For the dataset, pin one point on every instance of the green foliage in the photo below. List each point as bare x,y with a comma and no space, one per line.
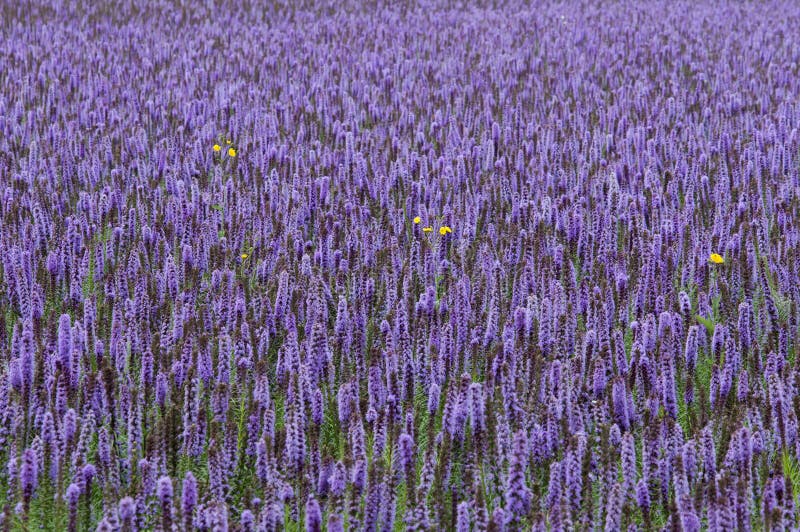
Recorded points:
791,470
707,323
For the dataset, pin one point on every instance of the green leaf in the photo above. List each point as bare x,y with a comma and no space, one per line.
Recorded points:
791,470
709,325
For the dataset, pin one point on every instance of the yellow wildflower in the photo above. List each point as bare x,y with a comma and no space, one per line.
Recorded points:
231,152
443,230
716,258
217,147
417,219
228,142
244,256
427,229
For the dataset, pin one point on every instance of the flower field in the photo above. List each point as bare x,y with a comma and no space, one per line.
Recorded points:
326,266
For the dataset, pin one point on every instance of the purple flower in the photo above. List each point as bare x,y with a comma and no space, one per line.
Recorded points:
406,451
313,516
72,496
463,521
642,495
164,493
335,523
127,509
614,505
517,494
498,521
338,480
188,497
690,352
247,521
310,259
619,397
28,476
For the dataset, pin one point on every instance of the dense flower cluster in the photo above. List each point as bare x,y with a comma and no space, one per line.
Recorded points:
343,267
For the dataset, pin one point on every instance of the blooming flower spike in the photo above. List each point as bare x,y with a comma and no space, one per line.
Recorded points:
562,364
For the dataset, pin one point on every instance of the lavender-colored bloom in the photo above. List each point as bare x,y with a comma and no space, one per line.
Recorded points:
338,480
477,408
247,521
406,451
188,497
433,398
463,521
555,487
745,325
215,517
642,495
126,510
498,521
313,516
88,473
72,496
685,304
512,245
690,352
599,383
614,508
64,342
335,523
358,475
344,400
619,397
517,494
28,476
164,493
628,457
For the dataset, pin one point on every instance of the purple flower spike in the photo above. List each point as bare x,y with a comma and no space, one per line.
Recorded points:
344,265
164,493
313,516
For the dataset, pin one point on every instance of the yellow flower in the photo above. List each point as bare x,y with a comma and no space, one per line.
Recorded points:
427,229
244,256
417,219
443,230
231,152
217,147
228,141
716,258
